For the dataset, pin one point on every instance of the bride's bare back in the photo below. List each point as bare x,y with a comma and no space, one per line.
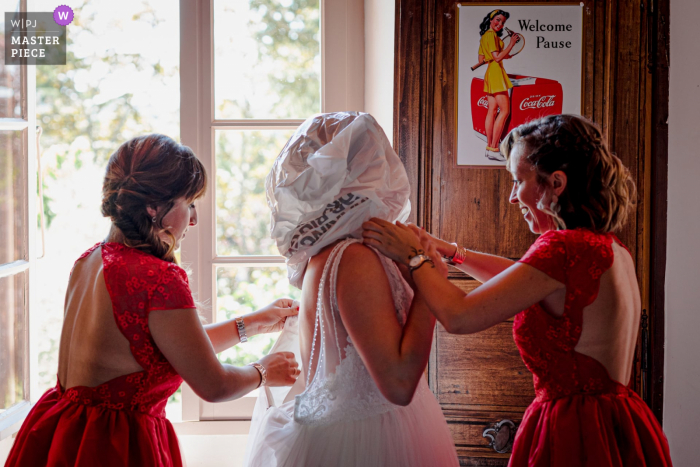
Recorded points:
394,355
92,350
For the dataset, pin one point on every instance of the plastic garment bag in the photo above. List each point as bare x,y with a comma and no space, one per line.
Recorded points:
335,172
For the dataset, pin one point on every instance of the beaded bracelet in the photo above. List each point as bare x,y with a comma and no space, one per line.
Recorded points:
459,255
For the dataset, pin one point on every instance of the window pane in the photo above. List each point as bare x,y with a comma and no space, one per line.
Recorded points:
13,197
243,160
267,61
241,290
11,91
13,340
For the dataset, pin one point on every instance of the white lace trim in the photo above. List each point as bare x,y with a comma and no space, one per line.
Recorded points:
347,394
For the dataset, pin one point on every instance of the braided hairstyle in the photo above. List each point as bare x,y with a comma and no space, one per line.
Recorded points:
150,171
486,22
599,193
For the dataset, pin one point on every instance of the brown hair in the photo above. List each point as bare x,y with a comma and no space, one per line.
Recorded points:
599,193
149,171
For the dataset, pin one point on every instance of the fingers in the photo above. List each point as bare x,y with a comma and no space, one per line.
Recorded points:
283,302
373,226
285,312
372,242
415,229
380,222
403,226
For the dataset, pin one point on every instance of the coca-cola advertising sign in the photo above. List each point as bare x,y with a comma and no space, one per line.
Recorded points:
516,63
537,102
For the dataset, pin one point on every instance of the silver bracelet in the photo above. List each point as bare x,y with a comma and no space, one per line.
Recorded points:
241,329
263,372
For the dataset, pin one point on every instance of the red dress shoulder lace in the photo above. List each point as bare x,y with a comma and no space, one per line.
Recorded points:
122,421
580,416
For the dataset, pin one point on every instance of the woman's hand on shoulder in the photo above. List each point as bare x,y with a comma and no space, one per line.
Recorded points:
395,241
272,317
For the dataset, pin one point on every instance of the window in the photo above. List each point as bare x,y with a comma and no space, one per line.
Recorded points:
251,72
18,216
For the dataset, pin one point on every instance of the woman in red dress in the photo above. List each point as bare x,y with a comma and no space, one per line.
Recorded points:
131,331
574,296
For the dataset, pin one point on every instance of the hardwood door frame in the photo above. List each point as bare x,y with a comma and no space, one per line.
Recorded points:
414,88
659,66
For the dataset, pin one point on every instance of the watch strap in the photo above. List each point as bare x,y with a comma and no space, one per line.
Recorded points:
241,329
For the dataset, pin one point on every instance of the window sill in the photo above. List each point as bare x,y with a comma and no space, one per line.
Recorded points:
11,420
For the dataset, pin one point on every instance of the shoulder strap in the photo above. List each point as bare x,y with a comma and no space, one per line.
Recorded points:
332,265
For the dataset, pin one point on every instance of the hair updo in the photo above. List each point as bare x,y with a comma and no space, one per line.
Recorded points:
599,193
149,171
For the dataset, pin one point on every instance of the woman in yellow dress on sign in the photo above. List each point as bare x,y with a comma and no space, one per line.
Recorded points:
496,83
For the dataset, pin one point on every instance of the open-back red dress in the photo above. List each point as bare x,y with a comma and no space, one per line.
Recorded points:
121,422
580,416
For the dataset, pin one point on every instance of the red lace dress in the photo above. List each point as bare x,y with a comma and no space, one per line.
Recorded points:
580,416
121,422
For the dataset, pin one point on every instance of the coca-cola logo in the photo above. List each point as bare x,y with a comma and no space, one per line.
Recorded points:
483,102
537,102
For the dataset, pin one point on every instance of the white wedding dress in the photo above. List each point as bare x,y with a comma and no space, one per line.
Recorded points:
341,418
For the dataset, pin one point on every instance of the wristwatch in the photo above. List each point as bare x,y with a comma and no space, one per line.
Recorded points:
241,329
263,372
417,261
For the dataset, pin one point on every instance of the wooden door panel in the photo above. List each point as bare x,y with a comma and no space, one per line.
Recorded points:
483,369
470,369
477,213
480,379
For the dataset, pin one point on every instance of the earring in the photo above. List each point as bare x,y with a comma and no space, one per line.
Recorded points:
153,219
554,205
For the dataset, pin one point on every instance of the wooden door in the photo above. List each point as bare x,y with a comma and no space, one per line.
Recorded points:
480,380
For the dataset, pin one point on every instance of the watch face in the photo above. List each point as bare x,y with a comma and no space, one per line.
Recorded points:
415,261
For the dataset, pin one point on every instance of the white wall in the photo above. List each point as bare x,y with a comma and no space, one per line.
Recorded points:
682,367
379,62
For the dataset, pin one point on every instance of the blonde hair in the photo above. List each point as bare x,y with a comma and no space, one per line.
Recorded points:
599,193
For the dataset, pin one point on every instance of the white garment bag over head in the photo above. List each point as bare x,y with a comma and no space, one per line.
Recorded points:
337,171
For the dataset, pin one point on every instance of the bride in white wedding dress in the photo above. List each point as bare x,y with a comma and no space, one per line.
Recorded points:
364,337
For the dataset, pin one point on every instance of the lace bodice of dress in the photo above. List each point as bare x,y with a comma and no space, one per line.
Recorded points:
342,388
576,258
138,283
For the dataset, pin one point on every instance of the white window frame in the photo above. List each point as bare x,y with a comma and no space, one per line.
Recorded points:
11,420
342,88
